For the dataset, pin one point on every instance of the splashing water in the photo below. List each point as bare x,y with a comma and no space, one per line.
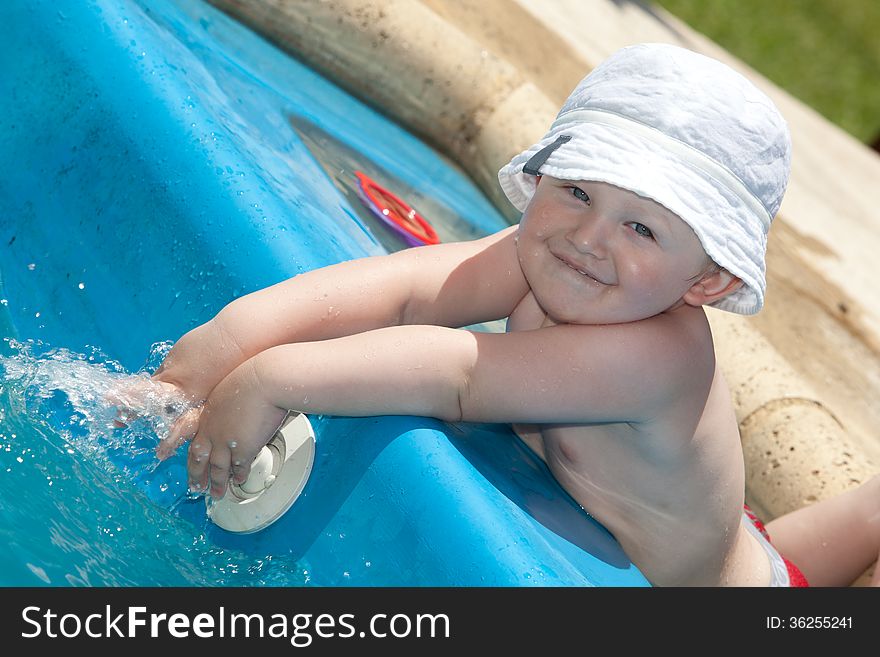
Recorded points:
80,395
85,502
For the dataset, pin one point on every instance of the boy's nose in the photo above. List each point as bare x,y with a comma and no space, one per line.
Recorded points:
590,238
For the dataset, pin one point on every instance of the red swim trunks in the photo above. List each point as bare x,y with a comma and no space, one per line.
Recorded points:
795,576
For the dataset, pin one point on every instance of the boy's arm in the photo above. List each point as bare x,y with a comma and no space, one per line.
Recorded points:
560,374
567,373
449,284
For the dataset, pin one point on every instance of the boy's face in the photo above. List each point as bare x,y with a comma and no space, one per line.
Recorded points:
594,253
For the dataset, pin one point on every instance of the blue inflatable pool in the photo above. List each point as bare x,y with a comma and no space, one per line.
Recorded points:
158,160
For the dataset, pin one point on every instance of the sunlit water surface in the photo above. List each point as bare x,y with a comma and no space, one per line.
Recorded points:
87,503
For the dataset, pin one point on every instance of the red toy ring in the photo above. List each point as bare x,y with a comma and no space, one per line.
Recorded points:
397,214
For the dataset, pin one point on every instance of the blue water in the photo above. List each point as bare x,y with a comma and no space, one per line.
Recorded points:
73,512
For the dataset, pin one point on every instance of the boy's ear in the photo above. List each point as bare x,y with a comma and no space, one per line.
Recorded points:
711,287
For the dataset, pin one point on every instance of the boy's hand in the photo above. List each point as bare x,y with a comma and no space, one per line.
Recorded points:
183,429
138,396
235,423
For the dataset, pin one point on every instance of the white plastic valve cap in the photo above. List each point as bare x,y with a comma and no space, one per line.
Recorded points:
277,477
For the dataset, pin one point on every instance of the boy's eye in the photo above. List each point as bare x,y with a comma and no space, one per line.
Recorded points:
642,229
581,195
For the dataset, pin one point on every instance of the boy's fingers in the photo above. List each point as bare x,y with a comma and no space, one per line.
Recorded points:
240,469
123,417
198,464
183,429
121,395
219,472
122,399
208,468
132,398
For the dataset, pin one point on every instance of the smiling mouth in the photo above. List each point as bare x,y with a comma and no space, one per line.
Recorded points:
580,271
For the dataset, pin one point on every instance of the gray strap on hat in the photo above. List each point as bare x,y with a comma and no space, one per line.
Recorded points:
537,160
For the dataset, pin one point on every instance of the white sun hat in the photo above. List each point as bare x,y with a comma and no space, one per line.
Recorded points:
681,129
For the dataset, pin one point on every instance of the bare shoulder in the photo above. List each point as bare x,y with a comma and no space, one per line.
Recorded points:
681,352
661,361
684,336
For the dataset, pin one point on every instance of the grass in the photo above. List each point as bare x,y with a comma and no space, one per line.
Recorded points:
824,52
